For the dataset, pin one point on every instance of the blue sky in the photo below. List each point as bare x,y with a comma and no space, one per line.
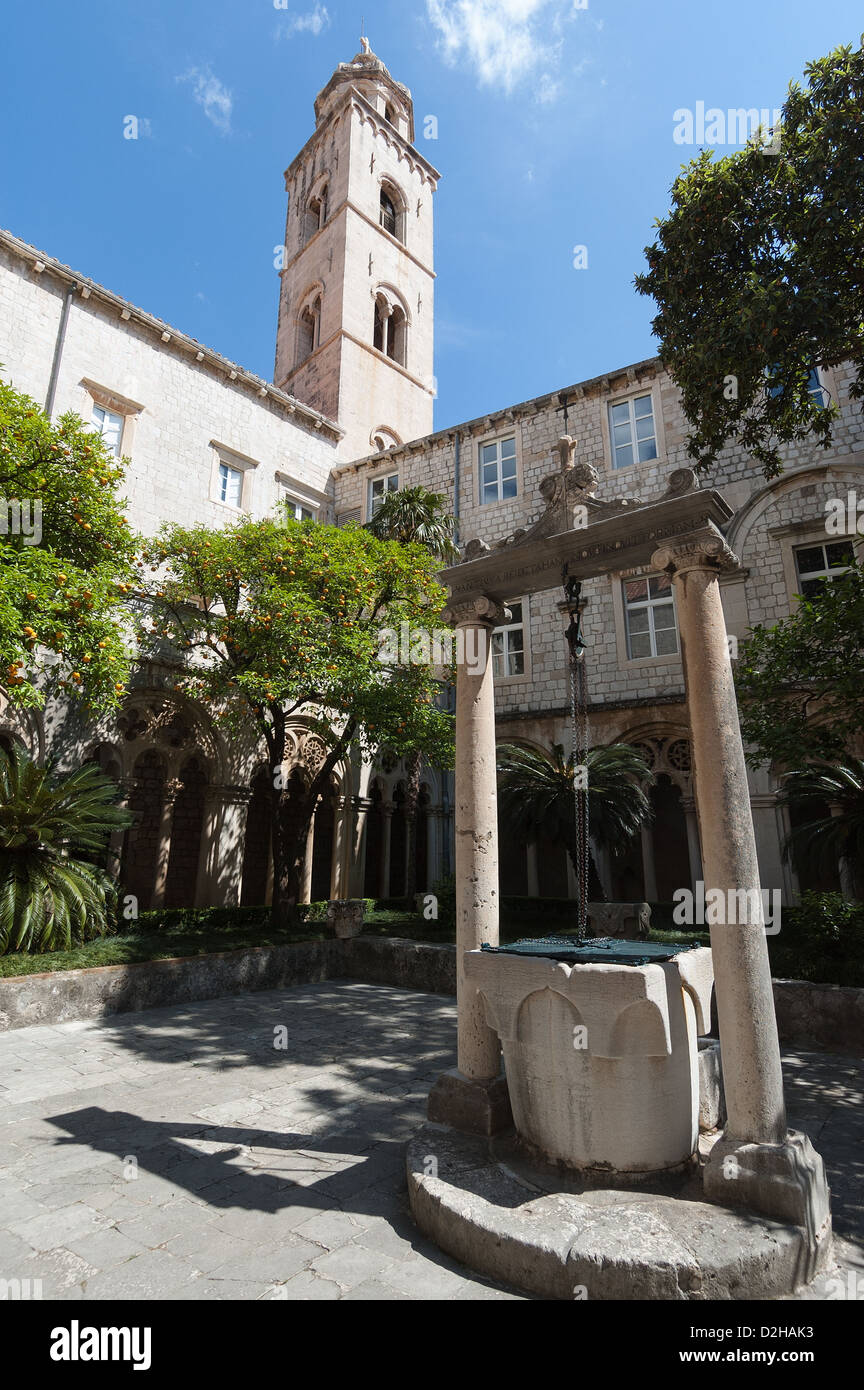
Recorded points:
555,130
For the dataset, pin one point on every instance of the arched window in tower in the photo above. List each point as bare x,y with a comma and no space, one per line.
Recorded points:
397,345
389,215
316,214
390,330
308,330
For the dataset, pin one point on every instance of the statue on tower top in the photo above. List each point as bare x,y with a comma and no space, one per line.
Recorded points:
364,44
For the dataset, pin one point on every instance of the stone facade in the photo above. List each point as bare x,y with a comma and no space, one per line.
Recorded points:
351,404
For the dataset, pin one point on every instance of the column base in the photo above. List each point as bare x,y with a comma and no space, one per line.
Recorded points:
473,1107
783,1181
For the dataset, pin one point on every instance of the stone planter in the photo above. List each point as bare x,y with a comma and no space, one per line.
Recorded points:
602,1061
345,916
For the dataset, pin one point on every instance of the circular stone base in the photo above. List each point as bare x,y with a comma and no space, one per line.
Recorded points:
521,1228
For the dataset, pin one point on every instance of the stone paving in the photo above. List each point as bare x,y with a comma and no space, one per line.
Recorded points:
186,1153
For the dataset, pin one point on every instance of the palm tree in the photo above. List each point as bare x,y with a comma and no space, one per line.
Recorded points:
536,795
419,517
415,516
53,830
823,841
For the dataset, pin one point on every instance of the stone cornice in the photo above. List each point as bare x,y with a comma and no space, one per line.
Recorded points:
170,340
476,612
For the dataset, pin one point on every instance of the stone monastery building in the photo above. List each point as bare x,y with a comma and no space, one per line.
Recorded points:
347,417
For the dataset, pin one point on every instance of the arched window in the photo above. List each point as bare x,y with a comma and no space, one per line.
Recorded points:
308,330
316,214
384,438
390,114
390,330
389,219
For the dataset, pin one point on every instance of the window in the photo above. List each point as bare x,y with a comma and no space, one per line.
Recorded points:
508,644
498,470
388,217
631,429
389,114
378,489
817,565
384,438
110,426
815,386
230,484
316,215
296,508
307,330
389,333
649,607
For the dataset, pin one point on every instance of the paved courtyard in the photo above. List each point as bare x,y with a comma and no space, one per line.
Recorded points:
252,1147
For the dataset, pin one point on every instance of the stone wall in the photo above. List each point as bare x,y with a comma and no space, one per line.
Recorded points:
824,1017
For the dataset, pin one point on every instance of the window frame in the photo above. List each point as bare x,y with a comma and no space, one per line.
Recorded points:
115,414
827,574
384,478
496,441
503,630
225,456
626,662
630,402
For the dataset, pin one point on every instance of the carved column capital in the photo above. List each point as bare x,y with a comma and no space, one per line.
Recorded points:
475,612
703,549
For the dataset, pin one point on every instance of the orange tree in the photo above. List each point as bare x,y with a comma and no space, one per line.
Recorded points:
278,618
66,559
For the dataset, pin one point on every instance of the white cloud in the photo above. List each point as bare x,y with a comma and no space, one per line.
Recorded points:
313,22
507,42
214,98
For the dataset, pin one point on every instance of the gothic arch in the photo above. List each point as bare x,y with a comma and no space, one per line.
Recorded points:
750,517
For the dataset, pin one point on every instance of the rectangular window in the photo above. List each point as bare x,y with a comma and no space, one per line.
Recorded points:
297,509
498,470
817,565
815,387
508,644
649,608
378,489
230,484
110,426
632,432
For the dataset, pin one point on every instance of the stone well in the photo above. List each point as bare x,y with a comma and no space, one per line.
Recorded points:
602,1061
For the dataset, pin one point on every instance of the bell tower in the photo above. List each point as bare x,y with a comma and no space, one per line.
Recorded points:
355,333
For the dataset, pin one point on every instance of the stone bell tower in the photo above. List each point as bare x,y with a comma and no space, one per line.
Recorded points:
356,306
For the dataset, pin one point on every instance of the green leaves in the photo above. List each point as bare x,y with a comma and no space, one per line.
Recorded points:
757,267
801,683
49,897
272,617
65,557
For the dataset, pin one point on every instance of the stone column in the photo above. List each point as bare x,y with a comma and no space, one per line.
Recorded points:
166,821
649,872
533,870
474,1096
341,846
223,836
693,847
756,1163
306,876
360,806
387,809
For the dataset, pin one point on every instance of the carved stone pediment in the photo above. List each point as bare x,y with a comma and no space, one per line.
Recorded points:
570,503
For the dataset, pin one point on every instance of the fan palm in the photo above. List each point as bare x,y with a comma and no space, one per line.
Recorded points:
51,830
536,795
823,840
415,516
